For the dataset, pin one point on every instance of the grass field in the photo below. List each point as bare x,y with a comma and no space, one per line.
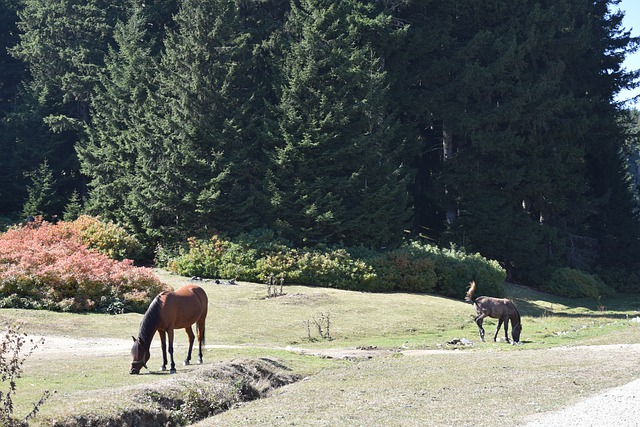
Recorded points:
572,348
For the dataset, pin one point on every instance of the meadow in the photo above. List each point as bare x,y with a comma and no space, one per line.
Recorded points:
385,359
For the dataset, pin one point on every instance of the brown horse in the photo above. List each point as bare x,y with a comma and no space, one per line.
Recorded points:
499,308
168,311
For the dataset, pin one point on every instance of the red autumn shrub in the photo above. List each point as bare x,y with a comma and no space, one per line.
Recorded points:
48,266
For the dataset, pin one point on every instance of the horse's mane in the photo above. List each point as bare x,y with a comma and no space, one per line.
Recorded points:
515,314
149,323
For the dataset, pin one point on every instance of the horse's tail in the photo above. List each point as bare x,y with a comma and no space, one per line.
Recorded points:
470,291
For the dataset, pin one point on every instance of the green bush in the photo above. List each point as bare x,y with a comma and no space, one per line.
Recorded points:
572,283
216,258
333,268
405,269
105,237
455,269
626,280
414,267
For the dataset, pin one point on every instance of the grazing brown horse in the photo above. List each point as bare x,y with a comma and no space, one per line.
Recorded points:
499,308
168,311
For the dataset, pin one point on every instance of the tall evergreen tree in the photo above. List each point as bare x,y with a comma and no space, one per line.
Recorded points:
42,195
12,71
614,222
62,43
202,165
338,174
109,154
504,78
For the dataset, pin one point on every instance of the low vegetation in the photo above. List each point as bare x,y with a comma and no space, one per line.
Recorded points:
413,267
14,350
64,267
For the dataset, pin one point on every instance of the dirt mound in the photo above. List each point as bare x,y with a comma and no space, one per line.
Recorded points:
189,398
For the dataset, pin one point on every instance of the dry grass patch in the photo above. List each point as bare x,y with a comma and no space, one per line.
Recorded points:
486,388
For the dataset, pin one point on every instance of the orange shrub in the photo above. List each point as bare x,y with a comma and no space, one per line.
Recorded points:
48,266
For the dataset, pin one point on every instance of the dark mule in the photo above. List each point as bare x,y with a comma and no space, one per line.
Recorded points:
499,308
168,311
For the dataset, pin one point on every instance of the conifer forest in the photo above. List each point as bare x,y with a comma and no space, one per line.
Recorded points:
488,125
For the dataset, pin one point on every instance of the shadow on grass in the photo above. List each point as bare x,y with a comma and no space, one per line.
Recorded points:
535,303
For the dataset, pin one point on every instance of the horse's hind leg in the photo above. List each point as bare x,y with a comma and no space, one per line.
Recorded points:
191,338
479,319
200,326
173,365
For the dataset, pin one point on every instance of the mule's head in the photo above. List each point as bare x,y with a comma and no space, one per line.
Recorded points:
140,355
515,333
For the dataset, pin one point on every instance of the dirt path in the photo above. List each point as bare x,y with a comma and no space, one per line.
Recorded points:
115,346
619,406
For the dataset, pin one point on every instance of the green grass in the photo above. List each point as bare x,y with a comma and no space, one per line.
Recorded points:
501,381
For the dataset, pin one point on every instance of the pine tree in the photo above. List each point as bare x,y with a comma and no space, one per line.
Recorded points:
510,83
73,209
110,153
202,165
42,196
338,174
62,43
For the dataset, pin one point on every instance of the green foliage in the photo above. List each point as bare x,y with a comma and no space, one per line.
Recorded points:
405,269
106,237
338,175
622,279
192,118
215,258
414,267
572,283
42,195
73,208
332,268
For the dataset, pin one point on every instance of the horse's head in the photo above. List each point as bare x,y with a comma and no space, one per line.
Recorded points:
515,333
140,355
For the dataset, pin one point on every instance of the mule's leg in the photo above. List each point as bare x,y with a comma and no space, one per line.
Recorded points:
500,320
200,327
479,319
191,338
173,365
163,344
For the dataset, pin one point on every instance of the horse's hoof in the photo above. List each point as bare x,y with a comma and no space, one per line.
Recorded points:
200,362
173,371
187,363
163,368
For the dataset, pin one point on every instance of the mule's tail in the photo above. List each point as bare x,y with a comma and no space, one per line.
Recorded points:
470,291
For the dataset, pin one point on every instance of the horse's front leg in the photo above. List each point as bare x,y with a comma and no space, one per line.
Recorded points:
506,330
173,365
163,344
191,336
